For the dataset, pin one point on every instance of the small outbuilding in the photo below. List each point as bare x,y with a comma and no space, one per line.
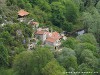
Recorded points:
22,14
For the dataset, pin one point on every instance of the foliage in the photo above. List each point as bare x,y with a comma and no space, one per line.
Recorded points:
87,38
3,55
41,56
76,54
4,71
84,68
22,63
89,58
70,43
53,68
68,59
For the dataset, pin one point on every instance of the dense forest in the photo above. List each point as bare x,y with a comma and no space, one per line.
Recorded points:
80,54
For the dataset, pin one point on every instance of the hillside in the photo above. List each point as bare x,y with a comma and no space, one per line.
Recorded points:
49,37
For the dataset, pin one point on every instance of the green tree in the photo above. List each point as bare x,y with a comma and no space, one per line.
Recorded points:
22,63
40,15
85,68
7,38
81,46
58,13
87,19
98,6
3,55
89,38
70,43
67,58
91,22
88,58
11,2
41,56
95,26
21,3
53,68
72,11
67,26
4,71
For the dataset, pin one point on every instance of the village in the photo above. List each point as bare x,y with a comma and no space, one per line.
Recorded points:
43,34
49,37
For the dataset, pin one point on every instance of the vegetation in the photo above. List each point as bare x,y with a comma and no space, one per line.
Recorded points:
79,53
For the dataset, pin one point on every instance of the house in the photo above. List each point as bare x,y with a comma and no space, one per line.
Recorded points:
39,34
22,14
54,40
34,24
48,38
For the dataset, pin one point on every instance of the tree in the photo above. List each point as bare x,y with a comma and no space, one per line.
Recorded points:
81,47
11,2
98,6
67,26
21,4
28,6
58,13
88,58
88,3
72,11
7,38
3,55
91,22
67,58
87,19
89,38
85,68
4,71
40,15
22,63
53,68
95,26
41,56
70,43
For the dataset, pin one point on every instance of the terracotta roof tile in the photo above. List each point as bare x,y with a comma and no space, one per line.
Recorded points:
50,40
22,13
55,35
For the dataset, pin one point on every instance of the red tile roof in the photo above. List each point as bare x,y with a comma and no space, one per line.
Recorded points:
22,13
50,40
34,23
55,35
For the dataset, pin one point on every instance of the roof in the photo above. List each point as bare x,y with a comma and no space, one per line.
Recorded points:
22,12
34,23
55,35
51,40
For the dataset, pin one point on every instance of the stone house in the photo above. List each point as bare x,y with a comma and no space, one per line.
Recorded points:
34,24
49,38
22,14
54,39
41,35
